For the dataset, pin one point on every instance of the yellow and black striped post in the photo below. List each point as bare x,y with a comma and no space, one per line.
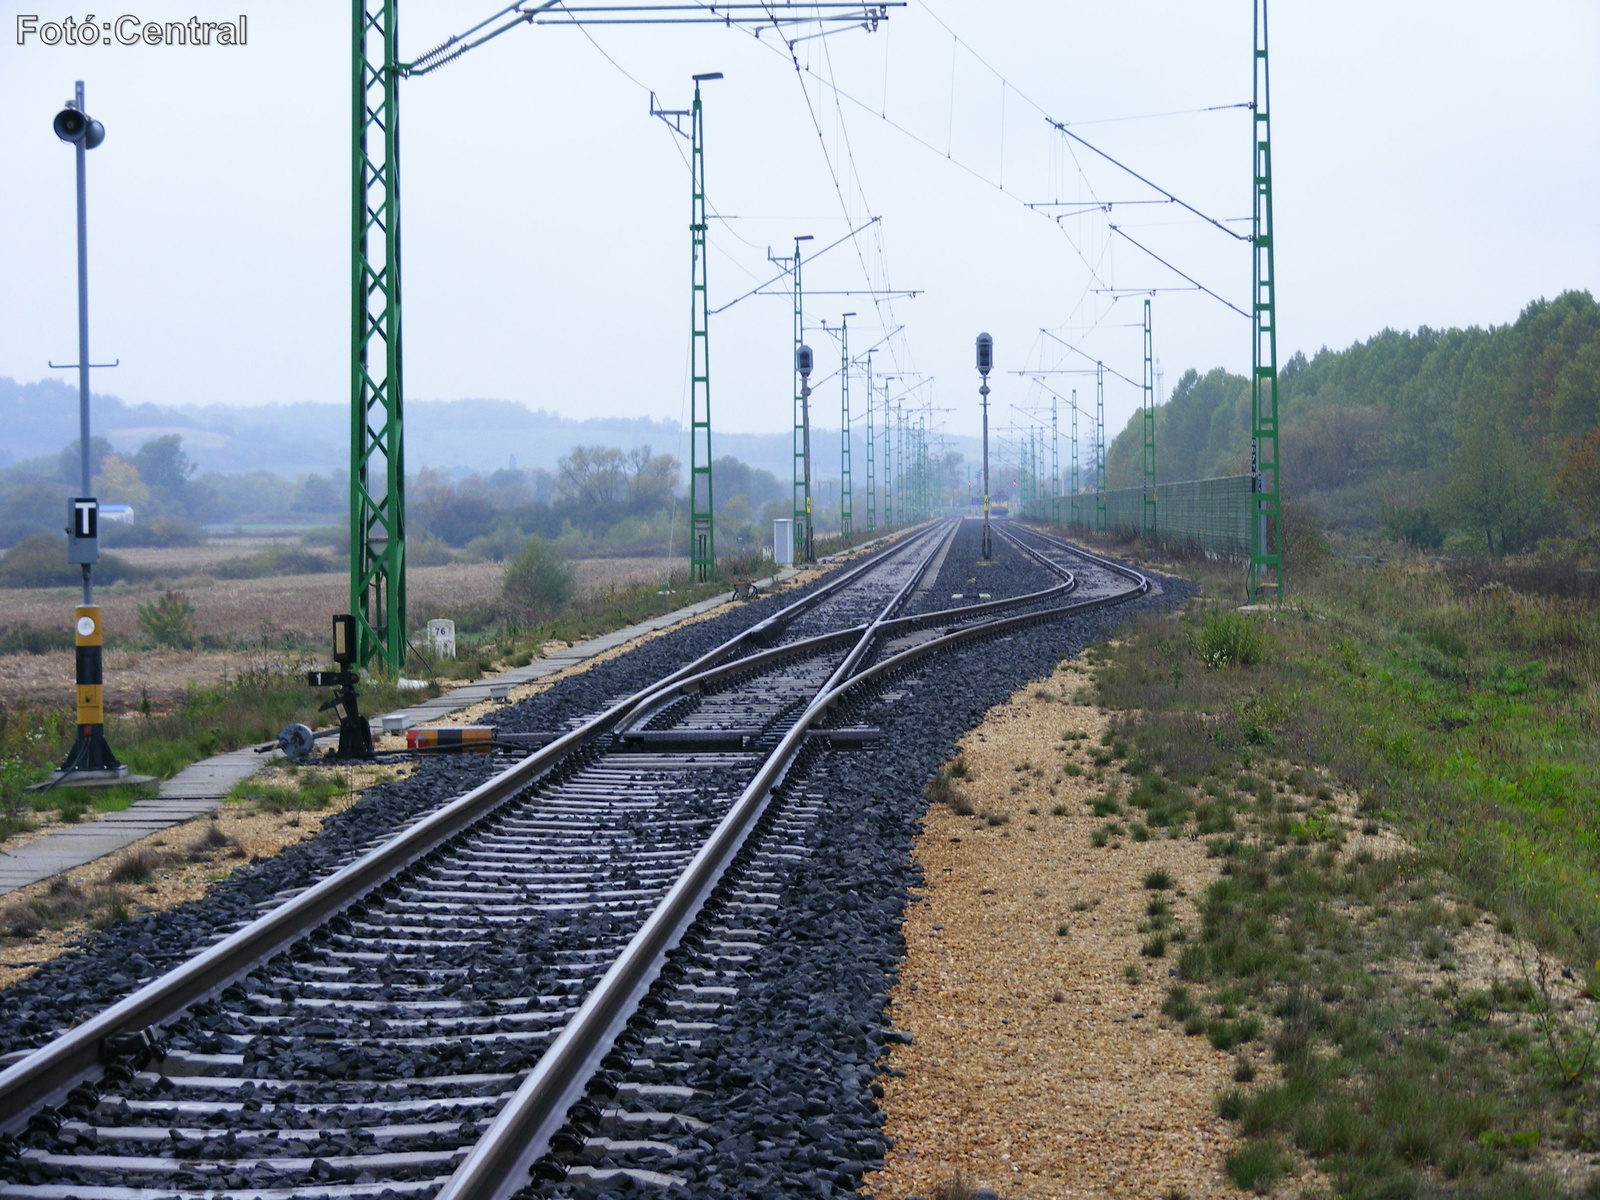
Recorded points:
90,756
91,698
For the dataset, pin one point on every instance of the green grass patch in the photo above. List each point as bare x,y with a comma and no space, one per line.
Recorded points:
1469,718
1257,1165
1225,639
298,790
247,710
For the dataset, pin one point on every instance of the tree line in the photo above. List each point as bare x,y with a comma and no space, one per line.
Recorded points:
598,499
1475,438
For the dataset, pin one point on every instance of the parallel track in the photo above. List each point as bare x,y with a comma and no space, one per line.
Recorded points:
356,1039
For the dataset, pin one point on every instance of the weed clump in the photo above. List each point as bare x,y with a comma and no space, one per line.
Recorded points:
169,621
303,791
137,866
1227,640
958,1187
943,789
539,577
1257,1165
60,905
213,841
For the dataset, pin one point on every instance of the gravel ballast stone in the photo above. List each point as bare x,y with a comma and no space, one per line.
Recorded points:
788,1074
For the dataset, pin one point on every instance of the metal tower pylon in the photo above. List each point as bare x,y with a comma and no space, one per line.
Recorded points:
1055,465
872,491
900,463
1100,447
887,490
888,452
927,467
1266,546
1073,509
702,530
377,467
1031,480
846,515
1149,409
802,473
377,459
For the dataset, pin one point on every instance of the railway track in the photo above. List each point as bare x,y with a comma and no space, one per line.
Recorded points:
425,1021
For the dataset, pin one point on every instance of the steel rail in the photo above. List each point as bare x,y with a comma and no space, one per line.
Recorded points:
942,616
1070,548
680,684
497,1165
44,1075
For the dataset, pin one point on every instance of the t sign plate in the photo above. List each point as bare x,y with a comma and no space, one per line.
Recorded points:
84,544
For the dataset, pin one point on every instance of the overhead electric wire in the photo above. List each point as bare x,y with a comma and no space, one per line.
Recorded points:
1062,127
1097,362
781,274
833,174
603,54
883,257
1177,112
956,162
1118,230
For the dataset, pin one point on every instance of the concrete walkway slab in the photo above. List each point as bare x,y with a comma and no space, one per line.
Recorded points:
192,792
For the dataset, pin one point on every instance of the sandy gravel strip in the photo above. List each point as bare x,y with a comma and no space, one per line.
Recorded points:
1037,1068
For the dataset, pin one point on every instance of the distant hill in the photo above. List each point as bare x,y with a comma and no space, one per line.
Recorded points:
294,439
448,435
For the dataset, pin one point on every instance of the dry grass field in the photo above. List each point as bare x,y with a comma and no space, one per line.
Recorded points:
263,614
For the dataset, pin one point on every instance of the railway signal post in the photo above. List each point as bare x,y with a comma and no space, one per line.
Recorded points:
90,761
985,365
802,364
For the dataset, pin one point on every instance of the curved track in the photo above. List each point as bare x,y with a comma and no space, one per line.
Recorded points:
420,1022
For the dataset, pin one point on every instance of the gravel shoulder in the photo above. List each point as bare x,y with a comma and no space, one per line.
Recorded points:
1036,1067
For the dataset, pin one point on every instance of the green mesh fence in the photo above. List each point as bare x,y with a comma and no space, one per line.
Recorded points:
1206,514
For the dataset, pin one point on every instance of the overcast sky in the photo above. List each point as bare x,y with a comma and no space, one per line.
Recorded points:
1436,163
